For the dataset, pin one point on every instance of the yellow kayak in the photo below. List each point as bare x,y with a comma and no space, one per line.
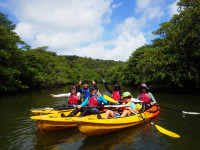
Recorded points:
94,126
52,122
44,111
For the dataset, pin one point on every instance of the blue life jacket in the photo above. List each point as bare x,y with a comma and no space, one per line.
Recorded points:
85,92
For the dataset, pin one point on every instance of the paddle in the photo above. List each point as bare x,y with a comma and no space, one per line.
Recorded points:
161,129
185,112
110,99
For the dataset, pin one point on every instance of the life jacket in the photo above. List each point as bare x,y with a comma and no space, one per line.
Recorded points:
73,99
85,92
124,108
116,95
144,97
92,101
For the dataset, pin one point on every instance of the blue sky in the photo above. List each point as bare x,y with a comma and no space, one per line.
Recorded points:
103,29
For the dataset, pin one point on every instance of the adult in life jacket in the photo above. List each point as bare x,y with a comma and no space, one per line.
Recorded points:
116,92
146,96
85,90
93,101
126,111
73,97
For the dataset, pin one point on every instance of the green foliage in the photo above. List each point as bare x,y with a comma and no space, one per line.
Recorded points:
174,59
10,56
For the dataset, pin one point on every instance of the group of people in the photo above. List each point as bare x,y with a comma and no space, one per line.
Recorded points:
92,98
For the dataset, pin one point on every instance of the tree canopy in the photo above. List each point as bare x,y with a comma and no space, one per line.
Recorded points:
171,61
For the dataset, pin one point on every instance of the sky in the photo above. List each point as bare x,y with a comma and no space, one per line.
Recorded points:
100,29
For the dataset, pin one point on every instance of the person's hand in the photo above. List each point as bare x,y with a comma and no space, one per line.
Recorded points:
79,106
104,81
151,103
98,94
80,82
93,82
52,95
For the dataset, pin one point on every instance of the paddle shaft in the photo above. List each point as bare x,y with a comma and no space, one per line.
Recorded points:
171,108
185,112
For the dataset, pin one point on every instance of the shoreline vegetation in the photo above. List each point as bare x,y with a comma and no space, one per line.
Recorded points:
170,62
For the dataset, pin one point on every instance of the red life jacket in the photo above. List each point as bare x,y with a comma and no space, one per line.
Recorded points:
73,99
144,97
116,95
92,101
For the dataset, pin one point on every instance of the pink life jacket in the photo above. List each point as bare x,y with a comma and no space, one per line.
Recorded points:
92,101
144,97
116,95
73,99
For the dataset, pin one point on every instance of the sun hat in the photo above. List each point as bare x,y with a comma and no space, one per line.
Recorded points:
72,87
143,85
126,94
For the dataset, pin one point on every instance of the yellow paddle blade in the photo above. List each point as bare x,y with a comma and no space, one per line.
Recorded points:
169,133
110,99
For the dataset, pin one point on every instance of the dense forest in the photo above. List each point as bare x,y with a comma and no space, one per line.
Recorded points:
171,61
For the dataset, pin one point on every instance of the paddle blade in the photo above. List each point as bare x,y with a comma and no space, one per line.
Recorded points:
192,113
169,133
110,99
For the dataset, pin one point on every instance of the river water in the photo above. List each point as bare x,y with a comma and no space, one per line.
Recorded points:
19,132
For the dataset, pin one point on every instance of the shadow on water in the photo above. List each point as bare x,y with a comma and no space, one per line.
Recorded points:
56,139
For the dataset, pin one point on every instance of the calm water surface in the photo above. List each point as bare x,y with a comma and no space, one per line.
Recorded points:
19,132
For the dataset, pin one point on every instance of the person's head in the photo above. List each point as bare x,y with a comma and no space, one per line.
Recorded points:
127,96
117,87
85,84
73,89
143,88
96,89
92,90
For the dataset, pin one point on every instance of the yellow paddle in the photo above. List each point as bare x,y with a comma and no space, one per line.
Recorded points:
110,99
161,129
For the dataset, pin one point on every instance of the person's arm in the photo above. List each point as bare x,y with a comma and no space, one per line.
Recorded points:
152,98
85,102
60,95
102,99
132,107
109,90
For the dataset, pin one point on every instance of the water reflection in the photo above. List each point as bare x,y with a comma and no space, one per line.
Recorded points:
18,131
56,139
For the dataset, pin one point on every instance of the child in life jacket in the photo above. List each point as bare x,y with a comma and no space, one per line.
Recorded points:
85,90
73,96
146,96
116,92
126,111
93,101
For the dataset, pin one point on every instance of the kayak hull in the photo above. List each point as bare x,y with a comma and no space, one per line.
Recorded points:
53,122
91,127
46,125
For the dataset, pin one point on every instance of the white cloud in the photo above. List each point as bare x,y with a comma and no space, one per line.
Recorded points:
173,8
149,9
66,25
128,38
61,24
